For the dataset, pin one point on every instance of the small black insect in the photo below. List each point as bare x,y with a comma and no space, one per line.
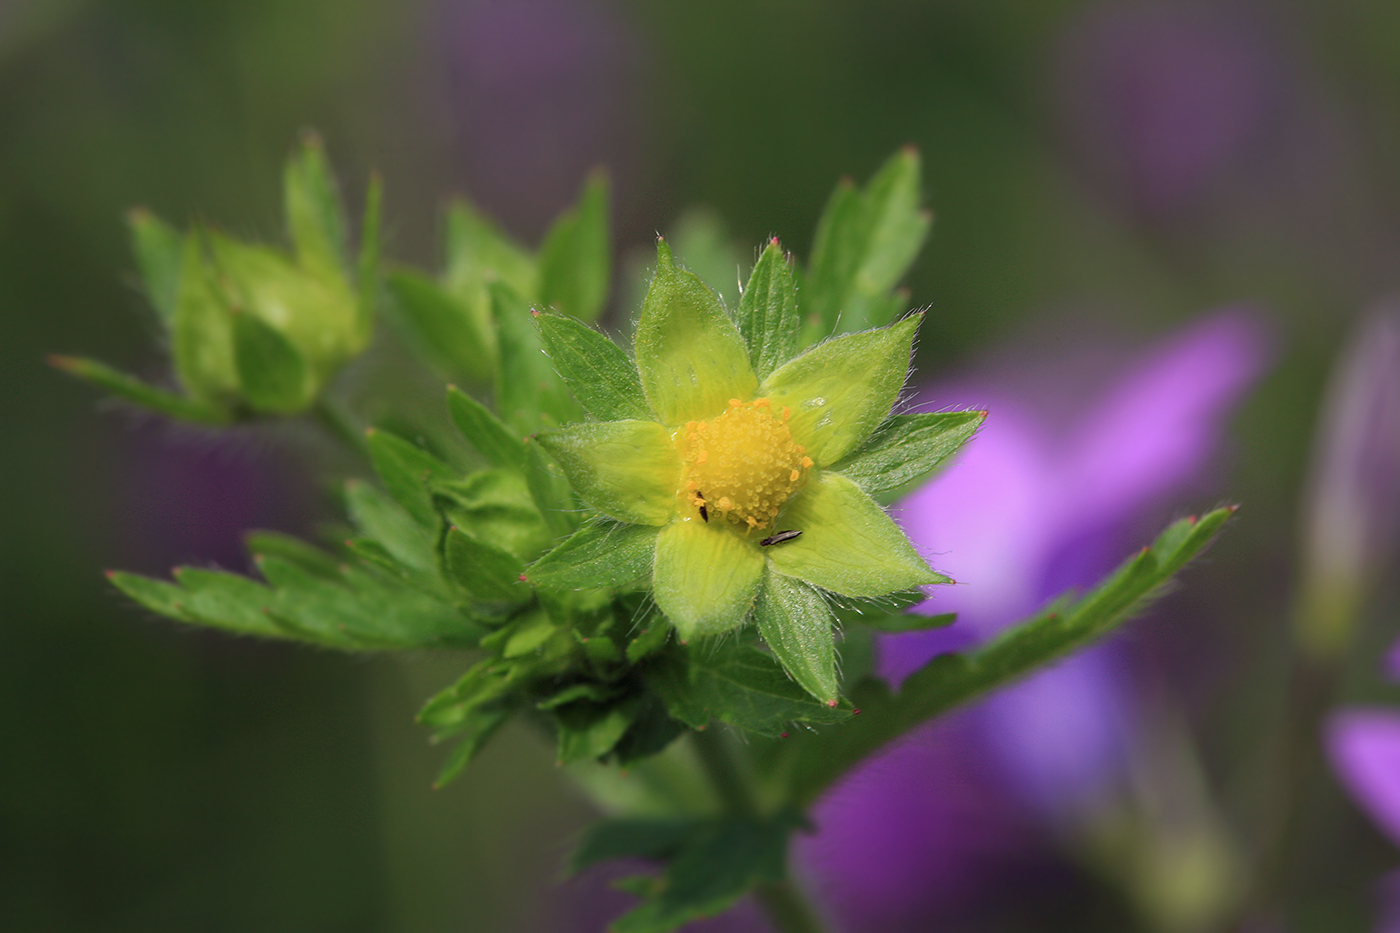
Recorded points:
779,537
703,514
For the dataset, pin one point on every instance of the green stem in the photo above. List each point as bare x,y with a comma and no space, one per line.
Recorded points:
786,906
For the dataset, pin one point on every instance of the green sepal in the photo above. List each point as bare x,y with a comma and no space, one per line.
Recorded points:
691,357
601,376
408,472
202,336
796,622
158,247
950,680
530,396
716,863
590,730
272,375
575,267
315,215
907,449
381,517
865,242
141,393
736,684
599,554
628,470
705,577
480,427
456,336
848,544
840,391
483,570
767,314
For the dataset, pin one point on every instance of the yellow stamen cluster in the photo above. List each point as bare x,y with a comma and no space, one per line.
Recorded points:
742,466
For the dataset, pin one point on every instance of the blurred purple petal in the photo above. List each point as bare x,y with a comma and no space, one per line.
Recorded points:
1364,746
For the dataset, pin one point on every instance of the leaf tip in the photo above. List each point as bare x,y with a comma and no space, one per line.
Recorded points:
66,363
832,702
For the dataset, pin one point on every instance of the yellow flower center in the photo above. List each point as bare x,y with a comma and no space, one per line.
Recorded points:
741,466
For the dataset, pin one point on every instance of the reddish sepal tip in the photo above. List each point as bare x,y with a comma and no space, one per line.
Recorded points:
832,703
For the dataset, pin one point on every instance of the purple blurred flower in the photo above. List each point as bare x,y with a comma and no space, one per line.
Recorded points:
541,92
1031,507
1353,504
1364,746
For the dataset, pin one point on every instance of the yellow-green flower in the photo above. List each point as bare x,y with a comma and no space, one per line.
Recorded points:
735,481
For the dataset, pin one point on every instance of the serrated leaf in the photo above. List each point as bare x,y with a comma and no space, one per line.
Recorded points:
767,314
228,601
601,376
737,684
453,334
140,393
158,248
156,595
271,372
796,622
382,518
907,449
480,427
865,242
276,544
953,679
575,268
485,571
408,472
495,506
530,396
478,252
598,554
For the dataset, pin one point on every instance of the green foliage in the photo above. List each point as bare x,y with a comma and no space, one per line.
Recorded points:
602,599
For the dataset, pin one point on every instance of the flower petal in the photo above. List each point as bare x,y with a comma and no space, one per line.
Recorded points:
848,544
840,391
628,470
691,356
706,577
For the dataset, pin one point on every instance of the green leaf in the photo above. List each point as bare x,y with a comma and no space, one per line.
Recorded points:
271,372
712,867
530,396
484,431
158,249
907,448
495,506
796,622
550,491
599,554
649,640
140,393
848,544
864,244
478,253
840,391
631,837
385,520
276,544
161,597
601,376
950,680
227,601
628,470
575,266
483,570
446,330
737,684
408,472
690,355
767,314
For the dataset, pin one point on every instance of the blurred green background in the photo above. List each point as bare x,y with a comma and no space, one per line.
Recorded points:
162,779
